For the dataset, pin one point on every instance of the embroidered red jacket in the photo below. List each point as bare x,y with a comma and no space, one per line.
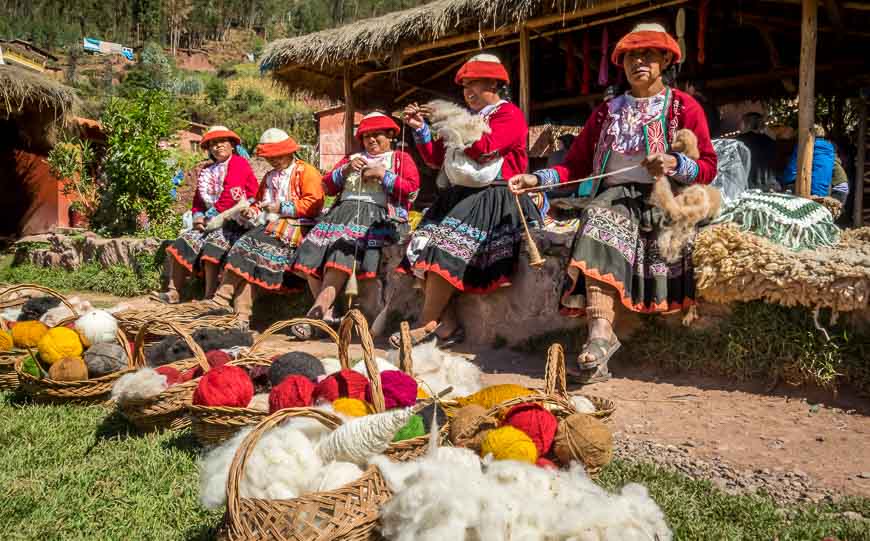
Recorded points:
401,182
239,182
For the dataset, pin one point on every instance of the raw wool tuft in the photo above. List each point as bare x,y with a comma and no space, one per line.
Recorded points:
359,439
214,470
455,125
583,404
59,313
436,370
97,327
334,476
36,307
313,429
259,402
382,364
331,365
139,385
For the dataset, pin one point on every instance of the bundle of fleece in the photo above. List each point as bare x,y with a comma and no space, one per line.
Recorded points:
59,313
173,348
436,370
36,307
139,385
734,265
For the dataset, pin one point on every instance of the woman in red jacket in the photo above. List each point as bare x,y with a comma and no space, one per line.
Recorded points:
469,241
374,189
219,187
615,257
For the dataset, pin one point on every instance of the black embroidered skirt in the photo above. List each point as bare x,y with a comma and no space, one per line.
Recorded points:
264,256
217,243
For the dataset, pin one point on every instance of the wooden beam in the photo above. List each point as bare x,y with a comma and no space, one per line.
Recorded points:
525,72
567,102
806,96
858,6
443,71
860,165
348,110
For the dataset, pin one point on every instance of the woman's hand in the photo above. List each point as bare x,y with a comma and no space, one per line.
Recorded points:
355,164
660,164
274,208
374,172
413,116
518,183
249,213
199,224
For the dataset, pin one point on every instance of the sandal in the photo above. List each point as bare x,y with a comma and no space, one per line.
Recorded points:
427,336
595,371
302,331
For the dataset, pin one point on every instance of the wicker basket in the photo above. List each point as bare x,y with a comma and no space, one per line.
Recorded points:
166,410
347,514
188,316
8,377
215,424
96,390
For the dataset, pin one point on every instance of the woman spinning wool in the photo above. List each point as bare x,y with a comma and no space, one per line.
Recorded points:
615,257
220,187
290,197
469,240
375,189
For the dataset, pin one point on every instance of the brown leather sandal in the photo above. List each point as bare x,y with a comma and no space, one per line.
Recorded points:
595,371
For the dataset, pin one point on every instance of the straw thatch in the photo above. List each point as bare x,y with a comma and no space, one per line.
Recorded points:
25,92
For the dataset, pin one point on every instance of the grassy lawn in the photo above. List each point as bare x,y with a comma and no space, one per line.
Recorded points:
71,472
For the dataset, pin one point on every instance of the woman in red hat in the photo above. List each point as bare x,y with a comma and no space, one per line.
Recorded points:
374,189
219,187
615,259
469,241
289,198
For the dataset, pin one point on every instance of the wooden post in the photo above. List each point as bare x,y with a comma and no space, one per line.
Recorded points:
807,97
349,112
525,72
860,165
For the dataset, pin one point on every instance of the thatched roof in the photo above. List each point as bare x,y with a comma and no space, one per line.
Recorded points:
23,91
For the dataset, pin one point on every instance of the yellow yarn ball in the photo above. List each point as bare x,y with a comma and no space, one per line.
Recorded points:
59,343
495,395
509,443
26,334
352,407
421,393
6,340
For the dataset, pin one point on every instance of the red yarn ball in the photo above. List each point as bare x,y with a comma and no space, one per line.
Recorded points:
188,374
400,389
537,422
294,392
344,384
215,358
171,373
546,464
228,386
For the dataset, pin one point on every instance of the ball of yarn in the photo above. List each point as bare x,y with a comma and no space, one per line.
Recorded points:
343,384
97,327
400,389
509,443
584,438
538,423
68,369
352,407
172,374
30,366
495,395
26,334
429,412
462,421
413,429
546,463
6,341
294,392
105,358
298,363
226,385
59,343
421,393
214,358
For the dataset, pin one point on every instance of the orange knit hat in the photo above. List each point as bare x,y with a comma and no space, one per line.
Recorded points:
482,66
275,143
219,132
647,36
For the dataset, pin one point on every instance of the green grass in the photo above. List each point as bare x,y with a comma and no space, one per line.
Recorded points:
72,472
115,280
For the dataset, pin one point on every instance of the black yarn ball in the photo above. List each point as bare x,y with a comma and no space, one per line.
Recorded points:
36,307
105,358
427,413
295,362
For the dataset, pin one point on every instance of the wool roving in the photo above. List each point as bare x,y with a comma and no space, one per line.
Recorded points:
334,476
352,407
359,439
139,385
400,389
584,438
490,397
6,341
26,334
173,376
105,358
97,327
30,366
259,402
343,384
413,429
509,443
294,392
228,386
68,369
538,423
295,362
429,412
59,343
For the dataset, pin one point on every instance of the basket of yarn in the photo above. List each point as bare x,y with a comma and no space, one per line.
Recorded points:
28,335
216,419
156,398
188,316
347,513
544,428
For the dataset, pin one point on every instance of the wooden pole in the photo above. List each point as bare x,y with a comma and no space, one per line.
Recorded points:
348,110
525,72
806,96
860,165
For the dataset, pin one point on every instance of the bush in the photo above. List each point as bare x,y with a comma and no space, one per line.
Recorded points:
216,90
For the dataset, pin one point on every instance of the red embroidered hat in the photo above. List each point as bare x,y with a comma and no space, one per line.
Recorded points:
647,36
482,66
275,143
376,122
219,132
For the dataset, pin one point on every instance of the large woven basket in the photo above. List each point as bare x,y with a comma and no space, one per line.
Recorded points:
215,424
8,377
188,316
347,514
166,410
89,391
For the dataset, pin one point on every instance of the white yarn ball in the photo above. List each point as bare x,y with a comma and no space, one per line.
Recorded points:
97,327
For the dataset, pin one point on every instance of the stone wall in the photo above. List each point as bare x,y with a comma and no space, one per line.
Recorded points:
69,252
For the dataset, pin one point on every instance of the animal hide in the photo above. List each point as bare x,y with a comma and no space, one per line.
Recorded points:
693,204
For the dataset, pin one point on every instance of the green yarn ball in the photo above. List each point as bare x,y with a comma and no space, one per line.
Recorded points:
412,429
30,366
